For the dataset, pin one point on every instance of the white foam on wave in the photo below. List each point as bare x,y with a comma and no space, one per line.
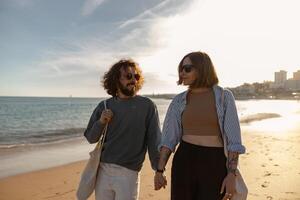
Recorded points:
258,117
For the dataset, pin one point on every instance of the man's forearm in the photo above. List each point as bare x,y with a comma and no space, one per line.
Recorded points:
93,134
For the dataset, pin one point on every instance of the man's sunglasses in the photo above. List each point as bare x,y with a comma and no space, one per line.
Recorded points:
130,76
187,68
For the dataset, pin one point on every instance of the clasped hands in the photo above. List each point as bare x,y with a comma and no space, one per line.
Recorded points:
160,180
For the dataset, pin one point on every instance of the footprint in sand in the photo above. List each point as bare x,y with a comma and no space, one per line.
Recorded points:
269,197
290,192
263,165
267,173
265,184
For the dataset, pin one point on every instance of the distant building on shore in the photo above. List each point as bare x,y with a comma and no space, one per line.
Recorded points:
281,81
296,75
245,89
280,77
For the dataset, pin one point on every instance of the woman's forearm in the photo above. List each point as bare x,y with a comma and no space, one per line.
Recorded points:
232,162
163,157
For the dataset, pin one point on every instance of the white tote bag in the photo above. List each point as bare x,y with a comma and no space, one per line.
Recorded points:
240,185
89,175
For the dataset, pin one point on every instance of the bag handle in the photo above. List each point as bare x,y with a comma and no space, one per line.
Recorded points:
224,135
103,135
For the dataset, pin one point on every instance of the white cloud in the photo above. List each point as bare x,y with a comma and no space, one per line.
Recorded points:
90,6
146,15
246,42
240,43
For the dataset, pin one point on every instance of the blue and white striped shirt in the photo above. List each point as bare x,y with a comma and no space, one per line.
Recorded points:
227,118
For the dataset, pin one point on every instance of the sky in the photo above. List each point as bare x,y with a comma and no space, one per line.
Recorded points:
63,47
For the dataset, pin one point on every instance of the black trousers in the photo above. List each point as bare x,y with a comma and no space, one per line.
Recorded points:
197,172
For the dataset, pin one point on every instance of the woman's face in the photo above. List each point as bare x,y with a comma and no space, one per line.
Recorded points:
188,74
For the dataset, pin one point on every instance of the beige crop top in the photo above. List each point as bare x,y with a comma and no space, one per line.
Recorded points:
200,115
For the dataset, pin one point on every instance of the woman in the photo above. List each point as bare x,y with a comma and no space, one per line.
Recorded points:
199,119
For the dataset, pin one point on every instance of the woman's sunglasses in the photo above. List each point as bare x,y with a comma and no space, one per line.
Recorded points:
187,68
130,76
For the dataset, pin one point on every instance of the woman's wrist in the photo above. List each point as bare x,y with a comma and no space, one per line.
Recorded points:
232,171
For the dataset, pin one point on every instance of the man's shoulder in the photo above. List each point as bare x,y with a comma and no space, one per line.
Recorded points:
144,99
107,99
146,102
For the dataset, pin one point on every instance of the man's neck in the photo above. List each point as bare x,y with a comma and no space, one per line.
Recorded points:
123,96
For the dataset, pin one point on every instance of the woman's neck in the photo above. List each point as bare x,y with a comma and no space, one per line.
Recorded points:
199,90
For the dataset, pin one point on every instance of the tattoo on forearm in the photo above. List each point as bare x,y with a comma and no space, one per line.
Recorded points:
165,156
233,159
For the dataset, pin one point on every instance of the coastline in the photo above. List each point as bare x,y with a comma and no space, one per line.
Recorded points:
31,157
25,159
270,165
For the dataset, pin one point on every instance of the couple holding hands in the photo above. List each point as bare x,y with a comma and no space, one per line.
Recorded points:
199,119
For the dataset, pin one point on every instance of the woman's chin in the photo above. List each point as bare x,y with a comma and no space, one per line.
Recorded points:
185,83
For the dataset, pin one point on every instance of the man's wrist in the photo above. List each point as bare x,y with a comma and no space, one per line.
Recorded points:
101,123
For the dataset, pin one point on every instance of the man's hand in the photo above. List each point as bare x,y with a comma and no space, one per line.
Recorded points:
106,116
160,181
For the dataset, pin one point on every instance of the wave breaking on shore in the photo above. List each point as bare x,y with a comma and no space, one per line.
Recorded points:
258,117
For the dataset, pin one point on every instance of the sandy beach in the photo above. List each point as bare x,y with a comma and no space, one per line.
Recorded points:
270,168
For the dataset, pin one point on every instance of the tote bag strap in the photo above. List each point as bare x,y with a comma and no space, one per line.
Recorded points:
224,134
103,135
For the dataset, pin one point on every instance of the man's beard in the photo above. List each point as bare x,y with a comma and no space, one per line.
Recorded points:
127,91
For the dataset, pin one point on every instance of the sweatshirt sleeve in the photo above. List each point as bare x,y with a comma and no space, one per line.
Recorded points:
94,127
153,136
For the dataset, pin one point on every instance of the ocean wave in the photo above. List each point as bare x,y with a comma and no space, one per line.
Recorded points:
39,137
4,147
258,117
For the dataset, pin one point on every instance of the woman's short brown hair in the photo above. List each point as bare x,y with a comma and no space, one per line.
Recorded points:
206,73
111,78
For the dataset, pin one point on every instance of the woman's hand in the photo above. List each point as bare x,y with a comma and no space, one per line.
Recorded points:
229,185
106,116
160,181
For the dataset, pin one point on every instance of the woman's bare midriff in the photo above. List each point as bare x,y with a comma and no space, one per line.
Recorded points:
208,141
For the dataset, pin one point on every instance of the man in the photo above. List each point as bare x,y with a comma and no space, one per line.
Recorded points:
133,127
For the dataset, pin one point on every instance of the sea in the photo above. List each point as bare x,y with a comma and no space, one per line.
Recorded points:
41,132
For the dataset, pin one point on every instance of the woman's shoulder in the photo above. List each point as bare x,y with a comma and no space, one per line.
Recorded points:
219,89
179,98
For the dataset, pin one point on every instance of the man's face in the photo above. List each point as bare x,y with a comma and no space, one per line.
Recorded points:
128,81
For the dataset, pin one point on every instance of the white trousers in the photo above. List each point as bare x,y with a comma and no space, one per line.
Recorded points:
115,182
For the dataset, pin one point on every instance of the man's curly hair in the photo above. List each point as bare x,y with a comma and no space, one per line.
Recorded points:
111,78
